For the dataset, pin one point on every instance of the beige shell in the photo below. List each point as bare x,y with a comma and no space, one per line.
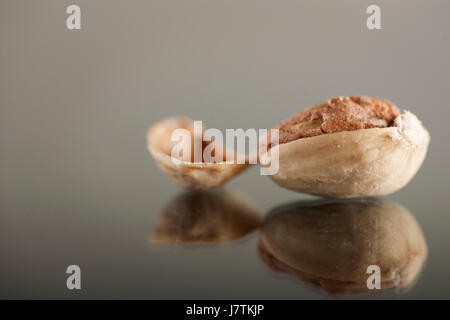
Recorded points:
188,174
206,217
366,162
331,244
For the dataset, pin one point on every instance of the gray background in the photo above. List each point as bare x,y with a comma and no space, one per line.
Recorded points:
77,185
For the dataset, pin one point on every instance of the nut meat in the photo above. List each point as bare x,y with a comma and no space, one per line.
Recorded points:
350,147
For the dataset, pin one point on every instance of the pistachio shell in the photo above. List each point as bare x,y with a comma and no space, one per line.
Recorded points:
366,162
193,175
331,244
206,217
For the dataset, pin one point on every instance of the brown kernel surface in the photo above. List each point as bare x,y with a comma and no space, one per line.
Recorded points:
339,114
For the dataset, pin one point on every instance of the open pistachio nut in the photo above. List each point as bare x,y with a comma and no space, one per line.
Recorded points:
181,167
349,147
334,245
206,216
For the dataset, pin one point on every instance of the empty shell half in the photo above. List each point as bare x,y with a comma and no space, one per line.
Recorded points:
183,167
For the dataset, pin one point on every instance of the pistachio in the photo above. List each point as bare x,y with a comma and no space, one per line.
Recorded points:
330,245
203,216
200,175
349,147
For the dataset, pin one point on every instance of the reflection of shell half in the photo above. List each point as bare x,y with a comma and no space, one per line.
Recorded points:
331,245
194,175
206,217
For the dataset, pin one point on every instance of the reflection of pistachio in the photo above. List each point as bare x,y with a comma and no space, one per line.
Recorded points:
349,147
187,173
206,217
330,245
